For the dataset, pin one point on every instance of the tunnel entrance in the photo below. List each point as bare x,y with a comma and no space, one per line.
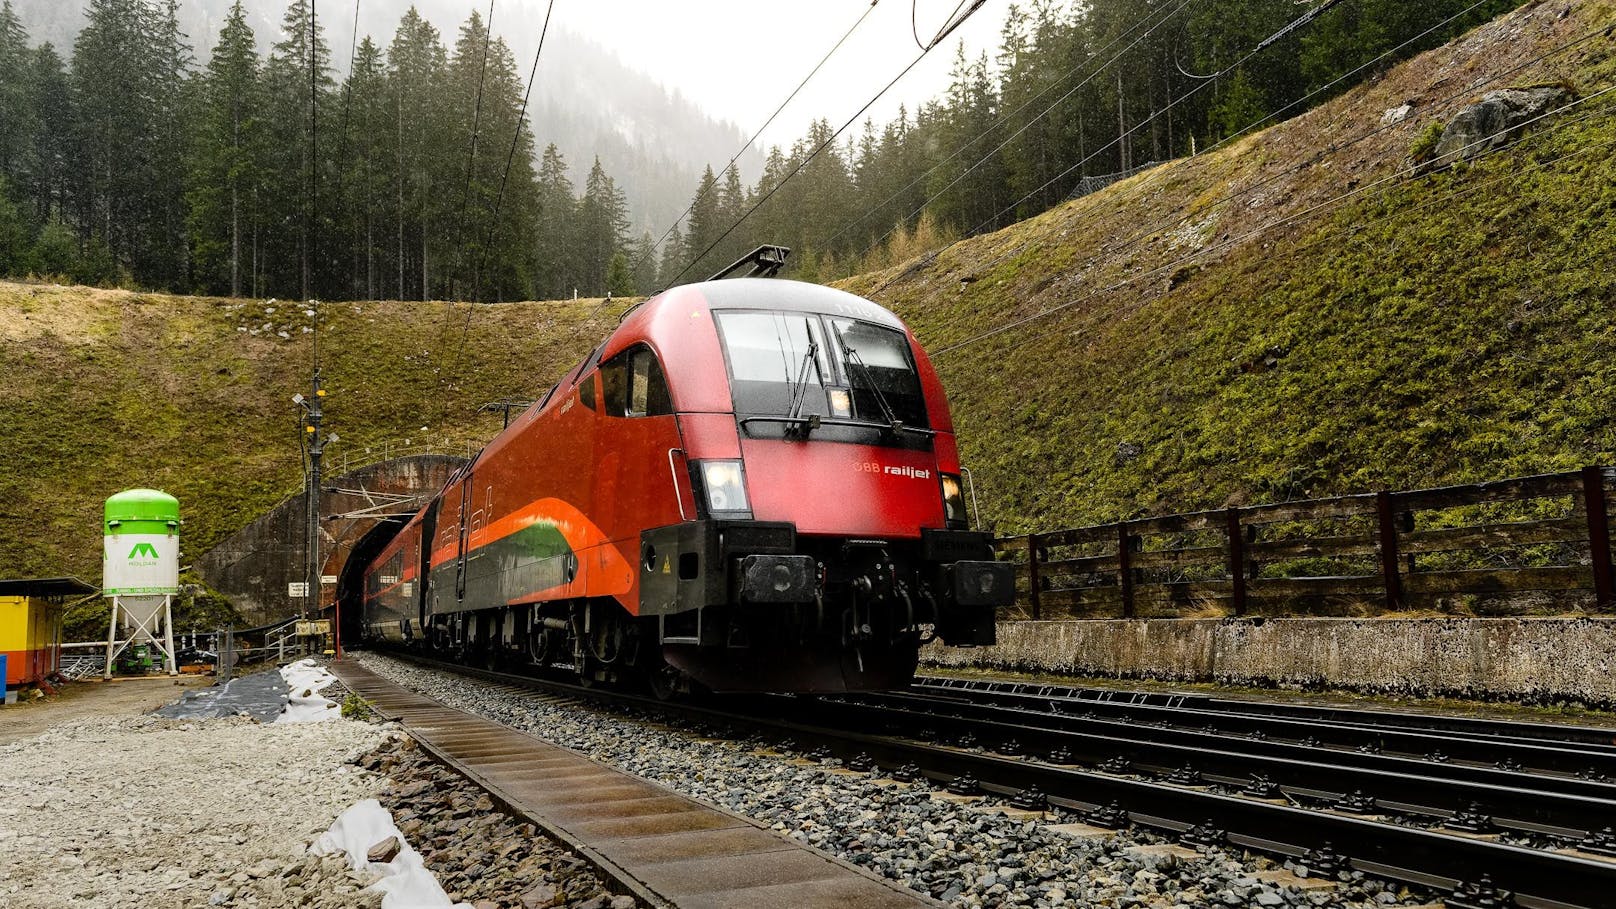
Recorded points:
351,580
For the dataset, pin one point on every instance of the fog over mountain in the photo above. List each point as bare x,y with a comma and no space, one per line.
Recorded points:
587,100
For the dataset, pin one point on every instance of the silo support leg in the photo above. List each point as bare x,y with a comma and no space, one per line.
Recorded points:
112,639
168,634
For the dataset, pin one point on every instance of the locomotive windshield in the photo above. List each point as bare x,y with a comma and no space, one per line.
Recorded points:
799,364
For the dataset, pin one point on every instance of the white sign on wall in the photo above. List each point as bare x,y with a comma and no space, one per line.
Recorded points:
297,590
136,564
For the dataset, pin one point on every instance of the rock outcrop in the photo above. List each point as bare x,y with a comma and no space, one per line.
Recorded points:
1494,120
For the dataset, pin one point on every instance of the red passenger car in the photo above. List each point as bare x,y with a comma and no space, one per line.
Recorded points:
752,484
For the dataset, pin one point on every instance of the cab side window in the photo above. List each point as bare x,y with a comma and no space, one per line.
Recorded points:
586,392
648,388
635,385
614,385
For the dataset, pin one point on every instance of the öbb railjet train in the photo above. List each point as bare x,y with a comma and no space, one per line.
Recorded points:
751,485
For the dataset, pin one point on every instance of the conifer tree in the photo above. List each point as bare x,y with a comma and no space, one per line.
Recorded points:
228,164
416,63
47,184
165,236
673,258
602,222
366,168
17,110
619,276
555,273
113,123
642,254
15,243
299,58
703,227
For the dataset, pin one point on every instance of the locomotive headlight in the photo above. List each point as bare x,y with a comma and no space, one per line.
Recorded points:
725,482
954,501
841,403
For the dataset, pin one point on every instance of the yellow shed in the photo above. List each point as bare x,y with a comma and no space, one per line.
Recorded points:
31,625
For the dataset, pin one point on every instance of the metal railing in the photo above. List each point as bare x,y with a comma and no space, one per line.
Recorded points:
352,459
1515,546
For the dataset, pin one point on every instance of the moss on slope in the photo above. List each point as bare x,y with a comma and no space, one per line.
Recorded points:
1426,330
1435,329
108,389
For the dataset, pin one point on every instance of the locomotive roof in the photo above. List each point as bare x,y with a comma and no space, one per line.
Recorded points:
799,296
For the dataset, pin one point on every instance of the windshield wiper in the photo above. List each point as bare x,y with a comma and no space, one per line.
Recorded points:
852,356
799,389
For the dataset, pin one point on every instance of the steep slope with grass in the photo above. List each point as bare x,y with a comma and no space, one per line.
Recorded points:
1207,337
103,390
1300,314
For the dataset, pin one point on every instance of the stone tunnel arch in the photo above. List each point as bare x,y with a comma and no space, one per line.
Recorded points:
254,565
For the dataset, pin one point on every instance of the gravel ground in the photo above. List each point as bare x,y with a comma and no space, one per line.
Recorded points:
957,854
91,698
142,811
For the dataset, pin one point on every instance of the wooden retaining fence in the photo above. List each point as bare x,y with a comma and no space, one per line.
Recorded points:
1511,546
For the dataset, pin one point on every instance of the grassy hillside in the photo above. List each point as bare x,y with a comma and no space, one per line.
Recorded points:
108,389
1446,327
1430,329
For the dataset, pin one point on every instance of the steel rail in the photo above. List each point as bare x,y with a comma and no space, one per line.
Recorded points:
1490,728
1536,878
1524,754
1396,785
1367,753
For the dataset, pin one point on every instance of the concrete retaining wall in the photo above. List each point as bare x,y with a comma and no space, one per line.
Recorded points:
1519,659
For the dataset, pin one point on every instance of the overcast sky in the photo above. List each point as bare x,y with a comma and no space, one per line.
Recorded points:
738,59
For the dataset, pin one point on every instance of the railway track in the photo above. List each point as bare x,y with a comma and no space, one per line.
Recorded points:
664,849
1492,815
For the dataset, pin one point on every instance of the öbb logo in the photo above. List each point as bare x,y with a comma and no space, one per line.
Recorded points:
893,470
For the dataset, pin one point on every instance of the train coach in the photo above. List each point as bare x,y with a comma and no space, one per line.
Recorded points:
752,484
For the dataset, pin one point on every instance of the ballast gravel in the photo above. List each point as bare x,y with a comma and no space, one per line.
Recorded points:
953,852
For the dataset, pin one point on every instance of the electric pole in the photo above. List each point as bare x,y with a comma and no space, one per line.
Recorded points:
316,448
316,440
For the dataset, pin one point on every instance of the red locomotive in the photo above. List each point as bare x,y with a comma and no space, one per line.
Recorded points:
752,484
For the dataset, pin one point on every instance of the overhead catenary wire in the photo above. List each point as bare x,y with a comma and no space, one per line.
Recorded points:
809,158
650,251
510,156
499,197
806,160
1024,127
1335,147
998,121
471,154
1330,203
1262,45
1357,227
942,31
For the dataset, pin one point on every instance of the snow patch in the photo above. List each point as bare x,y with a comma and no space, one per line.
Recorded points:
304,704
404,882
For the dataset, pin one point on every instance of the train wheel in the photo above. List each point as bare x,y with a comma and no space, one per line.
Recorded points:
665,682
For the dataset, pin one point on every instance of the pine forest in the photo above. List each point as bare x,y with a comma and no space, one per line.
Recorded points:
126,161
